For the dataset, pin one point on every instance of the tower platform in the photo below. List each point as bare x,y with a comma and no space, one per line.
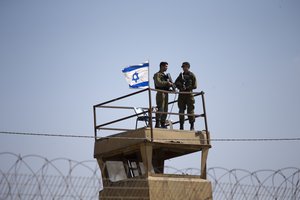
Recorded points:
169,143
132,164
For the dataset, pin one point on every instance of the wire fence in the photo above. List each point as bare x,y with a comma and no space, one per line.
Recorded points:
35,177
72,135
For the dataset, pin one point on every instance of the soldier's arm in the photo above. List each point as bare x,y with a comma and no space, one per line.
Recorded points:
178,83
194,82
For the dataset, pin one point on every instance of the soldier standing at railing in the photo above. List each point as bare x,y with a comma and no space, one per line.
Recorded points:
186,82
162,82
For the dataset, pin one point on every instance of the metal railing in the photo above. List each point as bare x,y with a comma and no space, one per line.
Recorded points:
150,110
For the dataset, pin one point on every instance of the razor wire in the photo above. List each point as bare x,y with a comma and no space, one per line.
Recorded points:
35,177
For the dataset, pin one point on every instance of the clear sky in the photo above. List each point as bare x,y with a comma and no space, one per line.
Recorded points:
59,58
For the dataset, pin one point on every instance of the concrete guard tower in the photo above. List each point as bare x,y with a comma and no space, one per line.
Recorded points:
132,160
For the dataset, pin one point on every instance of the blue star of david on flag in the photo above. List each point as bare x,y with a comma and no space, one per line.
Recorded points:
137,75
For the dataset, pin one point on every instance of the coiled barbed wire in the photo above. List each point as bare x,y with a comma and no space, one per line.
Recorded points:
36,177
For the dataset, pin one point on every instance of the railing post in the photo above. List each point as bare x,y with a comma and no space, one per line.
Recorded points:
150,113
205,117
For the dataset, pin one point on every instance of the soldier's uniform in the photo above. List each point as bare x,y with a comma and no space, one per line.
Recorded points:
186,82
161,82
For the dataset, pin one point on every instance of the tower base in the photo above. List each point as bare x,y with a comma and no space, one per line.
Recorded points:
158,187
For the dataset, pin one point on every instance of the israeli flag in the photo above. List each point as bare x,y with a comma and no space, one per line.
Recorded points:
137,75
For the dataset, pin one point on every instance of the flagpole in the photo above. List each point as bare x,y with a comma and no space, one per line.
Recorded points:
150,104
149,73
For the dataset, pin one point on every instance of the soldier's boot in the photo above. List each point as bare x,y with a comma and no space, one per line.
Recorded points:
157,124
181,126
181,119
163,125
192,126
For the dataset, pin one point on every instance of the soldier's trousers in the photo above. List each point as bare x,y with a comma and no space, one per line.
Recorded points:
186,101
162,100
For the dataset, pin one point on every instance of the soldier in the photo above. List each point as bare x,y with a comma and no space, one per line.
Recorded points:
186,82
162,82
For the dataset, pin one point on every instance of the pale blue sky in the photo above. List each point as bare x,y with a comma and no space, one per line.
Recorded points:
59,58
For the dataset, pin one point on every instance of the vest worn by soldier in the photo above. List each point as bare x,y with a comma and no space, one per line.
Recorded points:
161,81
186,81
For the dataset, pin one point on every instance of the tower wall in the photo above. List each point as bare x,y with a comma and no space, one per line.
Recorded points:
158,187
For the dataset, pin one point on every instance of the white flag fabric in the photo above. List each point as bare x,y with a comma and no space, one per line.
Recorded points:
137,75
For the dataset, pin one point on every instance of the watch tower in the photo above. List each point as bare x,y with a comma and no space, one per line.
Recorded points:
132,160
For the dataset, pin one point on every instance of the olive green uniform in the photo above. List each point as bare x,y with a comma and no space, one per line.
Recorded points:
186,82
162,99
